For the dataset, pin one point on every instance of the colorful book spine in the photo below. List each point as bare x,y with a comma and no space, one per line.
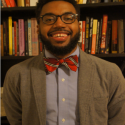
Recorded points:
15,37
29,37
4,3
90,35
20,3
114,43
10,35
80,40
1,41
21,37
33,2
108,37
94,36
35,49
87,35
27,3
8,3
83,34
12,3
120,36
100,35
104,29
26,38
97,38
13,47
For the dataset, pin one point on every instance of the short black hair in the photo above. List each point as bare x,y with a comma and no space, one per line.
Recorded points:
41,3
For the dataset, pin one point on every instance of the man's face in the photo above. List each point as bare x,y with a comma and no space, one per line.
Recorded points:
59,36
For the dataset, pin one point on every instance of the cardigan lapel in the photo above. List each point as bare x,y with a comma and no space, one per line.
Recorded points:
85,78
38,76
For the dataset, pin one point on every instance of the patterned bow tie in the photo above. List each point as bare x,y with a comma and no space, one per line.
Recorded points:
52,64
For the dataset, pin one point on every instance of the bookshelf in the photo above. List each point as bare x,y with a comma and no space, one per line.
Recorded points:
114,10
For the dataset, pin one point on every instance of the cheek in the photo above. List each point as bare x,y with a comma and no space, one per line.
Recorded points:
44,30
75,28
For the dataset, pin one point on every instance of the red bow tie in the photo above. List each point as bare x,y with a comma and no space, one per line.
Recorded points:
52,64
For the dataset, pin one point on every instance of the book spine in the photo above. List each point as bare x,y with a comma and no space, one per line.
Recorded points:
10,35
21,38
27,3
33,2
120,36
18,39
8,3
104,28
114,44
20,3
94,36
83,34
100,35
29,37
97,38
34,37
12,3
15,37
26,37
1,41
90,35
87,35
80,40
13,52
108,37
4,3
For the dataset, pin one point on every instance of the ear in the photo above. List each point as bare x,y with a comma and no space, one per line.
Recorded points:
38,29
80,26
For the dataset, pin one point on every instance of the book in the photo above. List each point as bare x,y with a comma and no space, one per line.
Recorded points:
90,35
5,37
27,3
33,2
94,36
15,38
2,44
80,40
1,3
21,37
12,3
13,47
87,35
83,35
114,43
4,3
100,35
120,36
20,3
104,28
34,38
29,37
97,38
108,37
10,35
8,3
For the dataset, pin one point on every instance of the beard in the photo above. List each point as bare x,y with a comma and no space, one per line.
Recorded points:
60,51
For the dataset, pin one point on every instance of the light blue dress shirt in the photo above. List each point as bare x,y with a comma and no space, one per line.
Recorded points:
62,101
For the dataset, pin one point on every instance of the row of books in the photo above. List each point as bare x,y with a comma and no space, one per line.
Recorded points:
18,3
20,38
97,1
102,36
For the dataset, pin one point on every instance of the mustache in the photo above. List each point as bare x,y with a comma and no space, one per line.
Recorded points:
60,29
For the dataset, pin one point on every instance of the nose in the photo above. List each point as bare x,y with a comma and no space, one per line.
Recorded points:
59,23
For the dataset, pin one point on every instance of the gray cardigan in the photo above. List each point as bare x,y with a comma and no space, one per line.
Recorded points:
101,92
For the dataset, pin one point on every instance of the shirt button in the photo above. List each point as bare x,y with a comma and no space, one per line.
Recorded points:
63,99
63,120
63,79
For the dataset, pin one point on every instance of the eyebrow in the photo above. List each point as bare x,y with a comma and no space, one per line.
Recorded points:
55,14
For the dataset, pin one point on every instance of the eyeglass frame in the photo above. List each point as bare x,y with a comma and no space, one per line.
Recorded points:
76,15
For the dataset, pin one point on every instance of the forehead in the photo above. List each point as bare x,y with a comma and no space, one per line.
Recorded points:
58,8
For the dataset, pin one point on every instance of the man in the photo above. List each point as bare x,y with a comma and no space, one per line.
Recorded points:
56,87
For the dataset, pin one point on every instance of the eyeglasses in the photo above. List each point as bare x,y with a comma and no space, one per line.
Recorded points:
67,18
